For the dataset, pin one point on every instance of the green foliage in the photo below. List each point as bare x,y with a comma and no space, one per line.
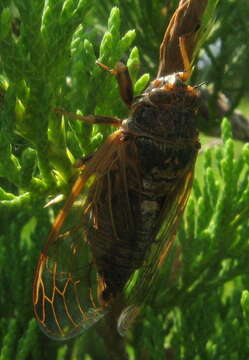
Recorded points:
200,308
226,57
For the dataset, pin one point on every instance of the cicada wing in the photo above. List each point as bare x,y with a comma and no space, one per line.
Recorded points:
67,282
141,283
65,300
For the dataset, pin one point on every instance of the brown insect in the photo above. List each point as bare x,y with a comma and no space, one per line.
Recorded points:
110,239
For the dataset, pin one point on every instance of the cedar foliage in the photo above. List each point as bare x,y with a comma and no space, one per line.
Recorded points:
47,59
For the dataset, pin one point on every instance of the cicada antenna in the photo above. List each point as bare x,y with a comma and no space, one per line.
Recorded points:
200,85
185,58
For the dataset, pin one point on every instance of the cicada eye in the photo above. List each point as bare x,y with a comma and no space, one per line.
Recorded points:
160,97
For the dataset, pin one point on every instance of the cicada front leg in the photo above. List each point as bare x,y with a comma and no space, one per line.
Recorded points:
91,119
122,75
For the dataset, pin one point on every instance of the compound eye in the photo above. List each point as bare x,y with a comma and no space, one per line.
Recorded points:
160,96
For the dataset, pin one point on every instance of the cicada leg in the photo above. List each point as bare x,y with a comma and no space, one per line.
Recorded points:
91,119
122,75
185,57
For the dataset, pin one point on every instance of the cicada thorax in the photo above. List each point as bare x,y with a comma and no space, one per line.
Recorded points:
158,146
166,111
164,120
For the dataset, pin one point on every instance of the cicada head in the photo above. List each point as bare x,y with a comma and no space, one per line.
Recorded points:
166,109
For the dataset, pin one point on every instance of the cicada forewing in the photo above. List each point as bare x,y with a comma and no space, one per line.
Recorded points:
139,287
74,283
66,283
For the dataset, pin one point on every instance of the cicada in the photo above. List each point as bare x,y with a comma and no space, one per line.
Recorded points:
119,222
